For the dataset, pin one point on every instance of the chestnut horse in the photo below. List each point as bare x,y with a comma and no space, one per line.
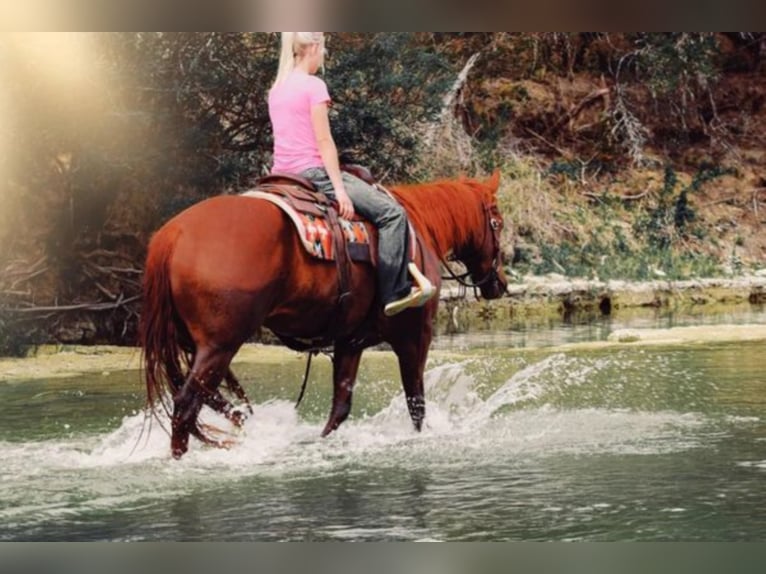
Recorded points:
225,267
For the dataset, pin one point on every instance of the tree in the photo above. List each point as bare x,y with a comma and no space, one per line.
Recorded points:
147,125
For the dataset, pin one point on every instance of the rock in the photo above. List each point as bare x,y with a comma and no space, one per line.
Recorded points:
79,331
624,336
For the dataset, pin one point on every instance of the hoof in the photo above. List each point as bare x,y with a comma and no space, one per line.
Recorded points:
179,446
336,419
238,417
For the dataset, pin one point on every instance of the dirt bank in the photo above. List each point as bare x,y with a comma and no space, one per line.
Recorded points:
60,362
555,296
530,300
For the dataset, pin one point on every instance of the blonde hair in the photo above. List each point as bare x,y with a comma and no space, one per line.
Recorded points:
295,45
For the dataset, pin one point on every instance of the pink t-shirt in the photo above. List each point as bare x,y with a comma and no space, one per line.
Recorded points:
295,145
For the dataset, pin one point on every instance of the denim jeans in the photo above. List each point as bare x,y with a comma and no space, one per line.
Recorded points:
391,222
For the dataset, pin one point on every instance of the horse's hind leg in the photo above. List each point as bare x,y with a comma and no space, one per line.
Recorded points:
345,368
220,404
200,387
235,415
214,399
233,384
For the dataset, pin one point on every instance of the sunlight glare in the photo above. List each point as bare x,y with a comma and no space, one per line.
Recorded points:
62,59
4,128
47,71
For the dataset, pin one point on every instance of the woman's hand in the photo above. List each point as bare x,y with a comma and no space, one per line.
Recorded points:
345,207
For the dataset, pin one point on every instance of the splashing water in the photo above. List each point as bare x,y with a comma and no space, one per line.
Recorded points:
480,412
276,436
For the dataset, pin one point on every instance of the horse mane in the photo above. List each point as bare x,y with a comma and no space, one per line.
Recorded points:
446,212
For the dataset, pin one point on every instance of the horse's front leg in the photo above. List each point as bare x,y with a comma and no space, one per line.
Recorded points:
345,368
411,347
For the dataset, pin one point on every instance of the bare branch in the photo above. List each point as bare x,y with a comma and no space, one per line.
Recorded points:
564,153
81,307
628,129
575,111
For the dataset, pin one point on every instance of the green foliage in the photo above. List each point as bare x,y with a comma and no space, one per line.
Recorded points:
680,70
656,224
596,240
672,216
661,87
377,109
185,113
158,121
676,60
616,260
566,168
735,263
201,99
12,342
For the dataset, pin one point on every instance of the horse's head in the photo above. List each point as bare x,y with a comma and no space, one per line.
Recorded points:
482,254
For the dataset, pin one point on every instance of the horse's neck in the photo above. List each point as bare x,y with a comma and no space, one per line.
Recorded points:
447,227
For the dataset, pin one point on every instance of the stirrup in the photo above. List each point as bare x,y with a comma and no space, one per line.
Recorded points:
417,297
426,288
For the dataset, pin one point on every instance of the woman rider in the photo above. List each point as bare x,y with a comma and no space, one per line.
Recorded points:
303,144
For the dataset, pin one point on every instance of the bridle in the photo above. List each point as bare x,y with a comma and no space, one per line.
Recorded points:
492,231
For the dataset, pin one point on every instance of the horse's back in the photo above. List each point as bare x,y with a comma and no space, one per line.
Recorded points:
228,241
243,244
228,215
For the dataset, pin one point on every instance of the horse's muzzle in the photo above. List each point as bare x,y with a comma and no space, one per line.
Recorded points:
494,288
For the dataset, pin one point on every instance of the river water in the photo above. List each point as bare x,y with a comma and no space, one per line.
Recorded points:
524,440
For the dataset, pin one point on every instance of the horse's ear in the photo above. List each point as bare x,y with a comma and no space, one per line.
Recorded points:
494,181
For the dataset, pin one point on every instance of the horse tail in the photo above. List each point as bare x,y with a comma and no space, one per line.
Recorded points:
164,340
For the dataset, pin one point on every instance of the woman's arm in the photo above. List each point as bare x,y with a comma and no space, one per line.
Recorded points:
320,120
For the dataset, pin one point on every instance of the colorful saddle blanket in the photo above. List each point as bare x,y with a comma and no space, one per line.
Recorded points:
308,210
310,219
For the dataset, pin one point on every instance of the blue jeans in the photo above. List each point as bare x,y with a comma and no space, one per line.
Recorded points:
391,222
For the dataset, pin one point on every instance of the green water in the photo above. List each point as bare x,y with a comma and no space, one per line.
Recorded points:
629,443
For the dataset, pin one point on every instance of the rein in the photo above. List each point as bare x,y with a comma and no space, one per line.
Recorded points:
311,354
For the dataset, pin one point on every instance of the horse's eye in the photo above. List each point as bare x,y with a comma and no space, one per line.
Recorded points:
496,224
